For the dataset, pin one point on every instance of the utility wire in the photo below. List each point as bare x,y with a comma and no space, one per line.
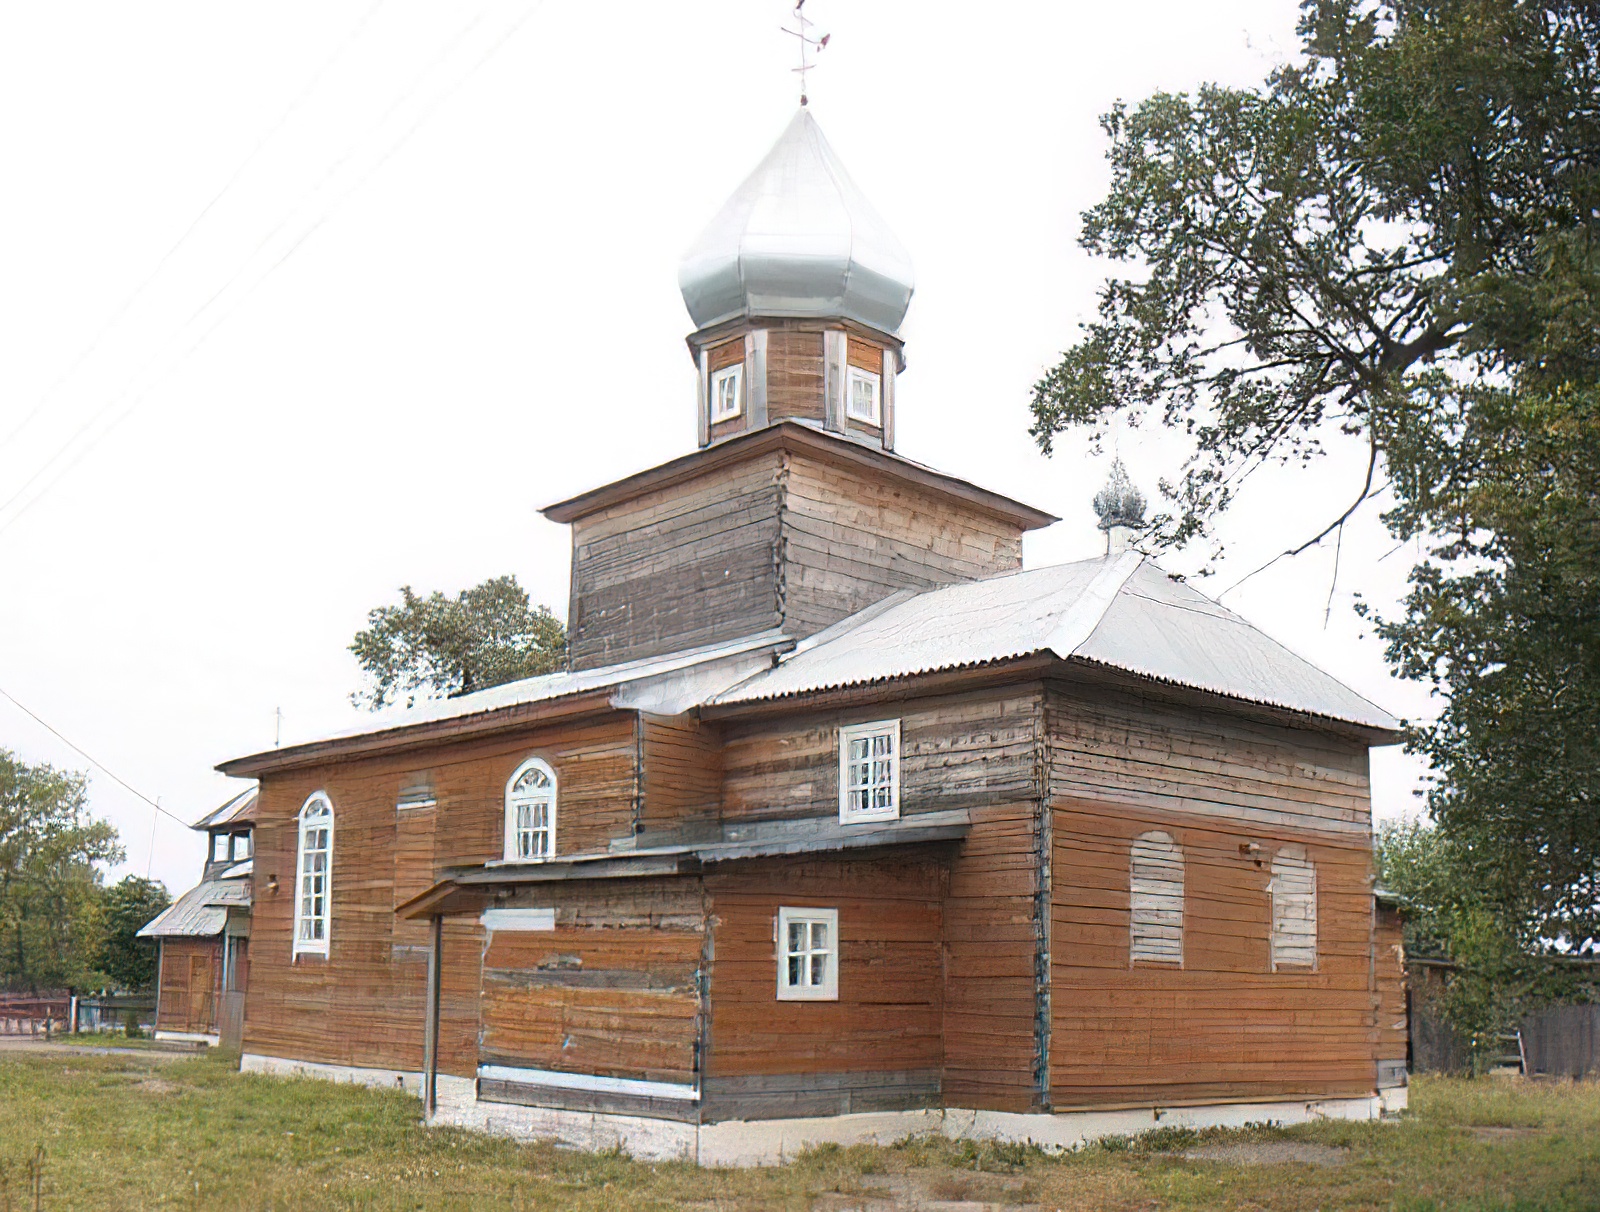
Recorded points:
138,291
98,765
404,138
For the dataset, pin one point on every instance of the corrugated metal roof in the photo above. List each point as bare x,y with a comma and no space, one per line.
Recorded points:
1123,611
240,808
200,912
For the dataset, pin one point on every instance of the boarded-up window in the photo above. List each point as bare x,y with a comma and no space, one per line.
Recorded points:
1156,900
1294,909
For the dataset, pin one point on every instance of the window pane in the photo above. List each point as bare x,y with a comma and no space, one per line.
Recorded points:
797,936
795,968
819,964
819,936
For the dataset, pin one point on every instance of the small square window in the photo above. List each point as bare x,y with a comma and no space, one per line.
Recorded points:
219,847
863,402
808,955
727,396
241,847
869,772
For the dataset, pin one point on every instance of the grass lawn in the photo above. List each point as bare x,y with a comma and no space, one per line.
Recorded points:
137,1132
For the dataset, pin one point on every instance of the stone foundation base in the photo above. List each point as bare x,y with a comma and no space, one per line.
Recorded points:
774,1141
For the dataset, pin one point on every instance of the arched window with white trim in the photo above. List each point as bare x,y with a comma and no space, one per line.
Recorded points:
1155,900
1294,909
531,813
314,881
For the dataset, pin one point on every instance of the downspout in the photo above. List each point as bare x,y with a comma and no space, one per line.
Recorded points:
430,1024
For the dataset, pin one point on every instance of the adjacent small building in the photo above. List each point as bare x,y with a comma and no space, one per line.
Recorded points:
841,825
204,936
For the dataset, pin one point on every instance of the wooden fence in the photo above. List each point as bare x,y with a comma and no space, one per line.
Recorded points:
34,1013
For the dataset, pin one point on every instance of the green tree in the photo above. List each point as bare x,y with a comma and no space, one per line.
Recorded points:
126,907
437,646
50,889
1393,241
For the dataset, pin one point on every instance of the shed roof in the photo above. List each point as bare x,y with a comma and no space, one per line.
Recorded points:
240,808
200,912
1120,611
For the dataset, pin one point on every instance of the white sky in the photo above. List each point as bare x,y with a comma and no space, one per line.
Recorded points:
434,288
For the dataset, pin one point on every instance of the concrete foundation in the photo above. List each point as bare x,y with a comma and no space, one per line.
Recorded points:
774,1141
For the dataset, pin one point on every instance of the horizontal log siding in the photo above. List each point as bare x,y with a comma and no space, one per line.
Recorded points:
978,752
363,1004
1222,1027
682,770
794,374
189,984
849,541
1389,961
612,991
676,568
887,1017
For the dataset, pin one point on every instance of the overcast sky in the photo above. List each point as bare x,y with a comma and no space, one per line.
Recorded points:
305,301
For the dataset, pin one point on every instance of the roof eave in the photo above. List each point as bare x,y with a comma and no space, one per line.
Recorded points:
789,434
406,736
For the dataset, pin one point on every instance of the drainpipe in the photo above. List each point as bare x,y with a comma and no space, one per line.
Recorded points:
430,1025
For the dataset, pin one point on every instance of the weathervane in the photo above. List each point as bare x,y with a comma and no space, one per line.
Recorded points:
802,33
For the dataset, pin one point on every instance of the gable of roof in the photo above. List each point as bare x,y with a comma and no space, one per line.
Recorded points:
238,810
1120,611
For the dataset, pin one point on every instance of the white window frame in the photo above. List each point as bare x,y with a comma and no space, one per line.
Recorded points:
828,989
734,374
512,849
240,847
313,946
1155,900
227,846
1293,889
874,415
855,732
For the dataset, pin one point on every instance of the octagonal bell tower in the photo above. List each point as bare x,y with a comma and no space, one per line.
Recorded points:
797,290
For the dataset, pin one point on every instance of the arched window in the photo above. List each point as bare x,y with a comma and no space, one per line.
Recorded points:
531,813
315,868
1294,909
1156,900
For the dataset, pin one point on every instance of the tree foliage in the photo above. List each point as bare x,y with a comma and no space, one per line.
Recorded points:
126,907
50,889
1394,239
437,646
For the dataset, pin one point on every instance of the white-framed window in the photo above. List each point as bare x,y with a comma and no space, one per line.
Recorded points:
1155,900
863,401
219,847
531,813
808,955
314,885
241,847
727,393
869,772
1294,909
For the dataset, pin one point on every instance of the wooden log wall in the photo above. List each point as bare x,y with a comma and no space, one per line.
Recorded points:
1223,1026
1389,962
612,991
362,1005
980,752
189,984
678,567
879,1045
850,540
681,771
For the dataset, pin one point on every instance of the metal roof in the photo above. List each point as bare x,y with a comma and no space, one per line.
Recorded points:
1122,611
200,912
797,238
240,808
666,685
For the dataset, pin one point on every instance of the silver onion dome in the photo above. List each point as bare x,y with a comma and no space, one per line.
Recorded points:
798,239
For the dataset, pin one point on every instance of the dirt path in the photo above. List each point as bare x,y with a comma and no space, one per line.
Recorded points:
16,1044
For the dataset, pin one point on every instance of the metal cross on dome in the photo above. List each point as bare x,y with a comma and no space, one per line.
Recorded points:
802,33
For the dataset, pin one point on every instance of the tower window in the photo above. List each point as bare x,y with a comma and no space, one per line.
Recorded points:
727,393
864,397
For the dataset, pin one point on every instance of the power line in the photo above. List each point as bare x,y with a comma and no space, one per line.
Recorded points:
138,291
98,765
404,138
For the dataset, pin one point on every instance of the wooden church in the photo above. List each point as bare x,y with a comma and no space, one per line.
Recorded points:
841,825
